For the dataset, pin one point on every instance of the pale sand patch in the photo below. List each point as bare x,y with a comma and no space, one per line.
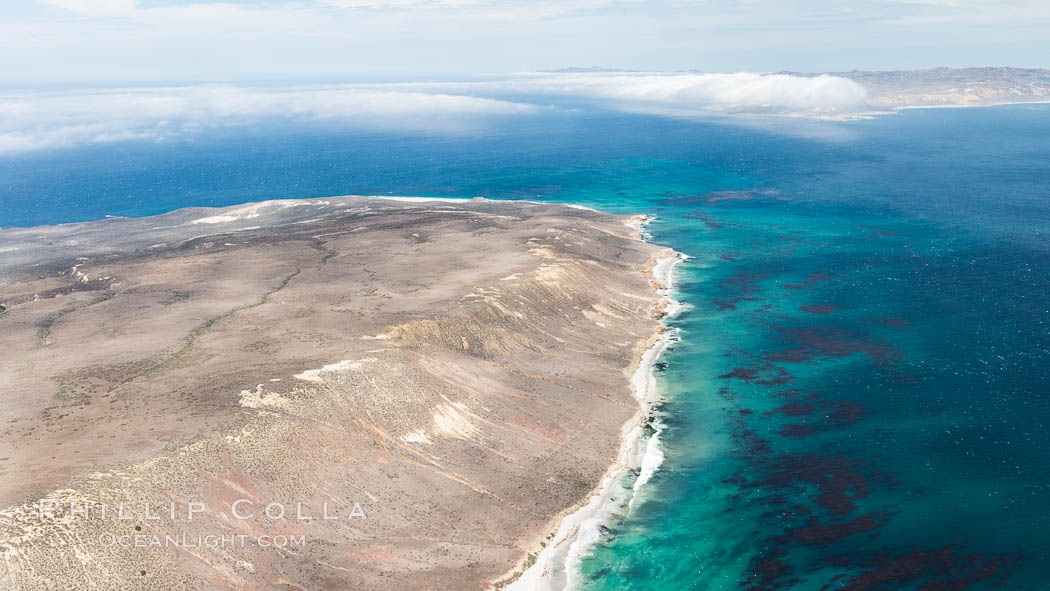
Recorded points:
315,375
451,420
425,199
583,207
254,210
258,398
417,436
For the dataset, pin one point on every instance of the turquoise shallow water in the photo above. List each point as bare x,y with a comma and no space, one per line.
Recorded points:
859,399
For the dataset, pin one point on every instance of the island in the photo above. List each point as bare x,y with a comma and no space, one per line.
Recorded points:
339,393
890,91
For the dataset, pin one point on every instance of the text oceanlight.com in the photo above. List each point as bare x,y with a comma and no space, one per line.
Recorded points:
184,540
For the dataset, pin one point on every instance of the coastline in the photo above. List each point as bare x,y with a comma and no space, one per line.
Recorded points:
889,110
553,563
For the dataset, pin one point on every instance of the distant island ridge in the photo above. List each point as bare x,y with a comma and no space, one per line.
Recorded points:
890,90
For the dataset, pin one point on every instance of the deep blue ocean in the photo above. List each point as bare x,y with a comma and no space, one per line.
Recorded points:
859,399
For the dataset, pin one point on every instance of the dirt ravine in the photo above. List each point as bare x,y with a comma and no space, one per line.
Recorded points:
323,394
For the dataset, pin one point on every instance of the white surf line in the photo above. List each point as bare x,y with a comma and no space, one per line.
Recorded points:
574,206
461,199
422,199
557,566
653,455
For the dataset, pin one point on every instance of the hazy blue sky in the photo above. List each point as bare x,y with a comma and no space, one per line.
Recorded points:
95,41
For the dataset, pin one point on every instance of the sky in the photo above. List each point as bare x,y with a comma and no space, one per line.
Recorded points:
95,42
77,73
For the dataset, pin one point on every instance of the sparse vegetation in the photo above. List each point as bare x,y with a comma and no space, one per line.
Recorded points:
176,297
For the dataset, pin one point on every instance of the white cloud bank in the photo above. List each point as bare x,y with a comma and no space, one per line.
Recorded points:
682,94
41,120
36,121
